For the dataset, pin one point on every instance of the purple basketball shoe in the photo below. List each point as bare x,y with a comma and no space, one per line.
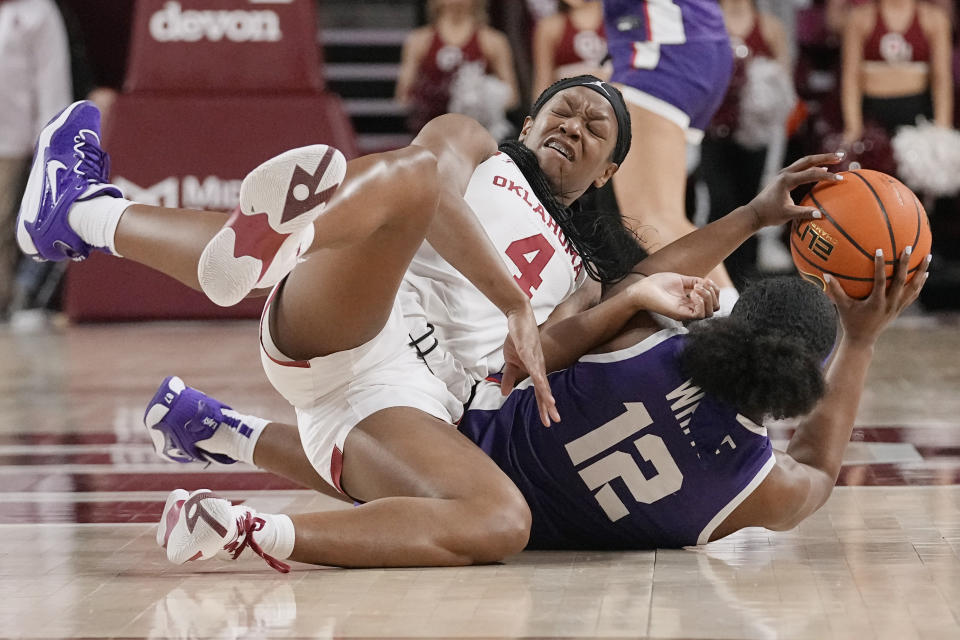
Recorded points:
68,166
179,417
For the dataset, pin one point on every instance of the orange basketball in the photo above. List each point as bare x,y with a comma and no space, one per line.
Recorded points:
867,211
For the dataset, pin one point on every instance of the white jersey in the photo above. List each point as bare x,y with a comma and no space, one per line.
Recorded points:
467,325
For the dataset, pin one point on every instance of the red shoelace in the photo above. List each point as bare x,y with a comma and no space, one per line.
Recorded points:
246,527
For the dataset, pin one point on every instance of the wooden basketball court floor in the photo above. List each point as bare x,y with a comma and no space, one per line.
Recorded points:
80,490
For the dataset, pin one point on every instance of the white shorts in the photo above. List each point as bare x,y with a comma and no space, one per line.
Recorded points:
333,393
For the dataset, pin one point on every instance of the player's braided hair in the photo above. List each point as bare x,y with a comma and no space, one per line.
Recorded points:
766,358
608,249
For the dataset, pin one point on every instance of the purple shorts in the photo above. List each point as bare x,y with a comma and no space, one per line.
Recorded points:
684,83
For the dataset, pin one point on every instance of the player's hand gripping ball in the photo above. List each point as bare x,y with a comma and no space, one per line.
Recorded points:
864,212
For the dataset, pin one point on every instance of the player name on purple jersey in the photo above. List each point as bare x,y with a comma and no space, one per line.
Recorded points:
663,21
642,457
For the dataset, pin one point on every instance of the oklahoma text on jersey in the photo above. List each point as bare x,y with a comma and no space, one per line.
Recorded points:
522,193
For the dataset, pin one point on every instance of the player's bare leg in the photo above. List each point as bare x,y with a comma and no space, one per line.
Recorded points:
432,497
438,505
474,512
454,512
651,183
466,513
168,240
363,245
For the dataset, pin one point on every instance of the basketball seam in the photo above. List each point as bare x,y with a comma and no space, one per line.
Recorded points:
916,237
883,210
833,273
842,231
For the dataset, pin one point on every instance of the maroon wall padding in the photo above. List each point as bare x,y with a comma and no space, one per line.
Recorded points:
213,88
152,137
223,46
191,152
107,288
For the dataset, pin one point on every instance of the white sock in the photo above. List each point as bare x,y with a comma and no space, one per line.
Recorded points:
238,443
277,536
96,220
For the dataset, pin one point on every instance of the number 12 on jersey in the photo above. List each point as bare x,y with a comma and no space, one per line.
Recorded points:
619,464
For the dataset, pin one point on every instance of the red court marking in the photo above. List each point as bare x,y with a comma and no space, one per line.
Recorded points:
893,475
55,458
39,480
61,438
928,436
82,512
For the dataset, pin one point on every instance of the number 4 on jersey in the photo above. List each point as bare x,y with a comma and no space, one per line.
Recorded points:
531,256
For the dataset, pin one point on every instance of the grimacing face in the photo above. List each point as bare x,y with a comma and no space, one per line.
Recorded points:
573,137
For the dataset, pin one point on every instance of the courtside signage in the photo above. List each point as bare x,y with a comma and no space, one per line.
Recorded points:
174,24
190,192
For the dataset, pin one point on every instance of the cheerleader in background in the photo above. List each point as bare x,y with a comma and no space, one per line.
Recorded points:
747,133
456,40
896,69
569,43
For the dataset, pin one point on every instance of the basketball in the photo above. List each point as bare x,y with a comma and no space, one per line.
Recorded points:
868,210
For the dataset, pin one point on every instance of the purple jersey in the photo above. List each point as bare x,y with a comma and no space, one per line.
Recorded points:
671,57
664,21
642,458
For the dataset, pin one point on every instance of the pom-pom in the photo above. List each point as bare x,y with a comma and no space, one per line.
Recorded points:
482,97
928,158
766,101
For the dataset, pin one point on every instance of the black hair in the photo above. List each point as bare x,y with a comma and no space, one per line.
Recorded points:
607,248
766,358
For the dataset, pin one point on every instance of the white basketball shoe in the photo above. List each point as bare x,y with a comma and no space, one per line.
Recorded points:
272,225
202,525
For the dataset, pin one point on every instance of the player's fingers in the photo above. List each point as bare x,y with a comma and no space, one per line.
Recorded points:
900,273
815,160
799,213
546,403
835,292
917,281
879,291
705,303
714,293
712,300
813,174
913,291
696,303
689,282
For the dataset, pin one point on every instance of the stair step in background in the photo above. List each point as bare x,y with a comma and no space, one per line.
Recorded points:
361,47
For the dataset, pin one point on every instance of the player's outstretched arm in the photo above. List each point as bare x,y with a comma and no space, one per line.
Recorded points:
670,294
804,476
700,251
460,144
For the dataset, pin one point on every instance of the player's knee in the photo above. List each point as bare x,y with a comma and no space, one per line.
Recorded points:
502,529
416,171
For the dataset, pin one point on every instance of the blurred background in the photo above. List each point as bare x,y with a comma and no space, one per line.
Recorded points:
195,93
